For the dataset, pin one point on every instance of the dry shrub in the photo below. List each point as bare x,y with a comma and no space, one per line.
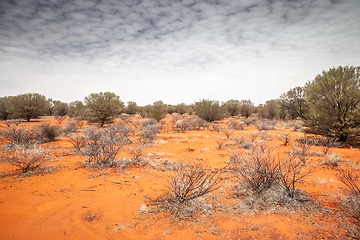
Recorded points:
20,136
186,189
266,124
258,169
77,141
220,143
26,159
302,148
47,132
243,143
332,160
233,124
285,137
136,155
102,145
72,126
149,130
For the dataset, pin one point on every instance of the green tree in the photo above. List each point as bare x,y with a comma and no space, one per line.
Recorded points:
157,111
60,109
77,109
293,102
5,108
271,109
209,110
131,108
29,105
102,107
247,108
232,107
333,98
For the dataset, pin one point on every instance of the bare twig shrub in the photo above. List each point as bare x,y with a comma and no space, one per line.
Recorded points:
47,132
227,133
332,160
77,141
102,145
136,155
292,171
20,136
285,137
258,169
266,124
72,126
302,148
232,124
13,122
351,204
249,121
149,132
220,143
215,127
326,144
189,183
243,143
25,159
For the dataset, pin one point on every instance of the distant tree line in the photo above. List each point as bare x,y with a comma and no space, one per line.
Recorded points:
329,105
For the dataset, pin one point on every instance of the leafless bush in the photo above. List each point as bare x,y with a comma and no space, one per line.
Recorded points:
249,121
302,148
351,204
72,126
292,170
102,145
188,184
47,132
20,136
243,143
25,159
266,124
77,141
215,127
258,169
12,122
332,160
326,144
220,143
294,125
232,124
136,155
227,133
285,137
149,132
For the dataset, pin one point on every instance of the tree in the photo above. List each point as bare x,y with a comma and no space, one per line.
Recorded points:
157,111
333,98
293,102
246,108
270,110
131,108
77,109
4,108
60,109
209,110
103,106
29,105
232,107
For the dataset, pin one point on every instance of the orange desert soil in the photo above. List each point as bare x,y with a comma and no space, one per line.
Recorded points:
75,202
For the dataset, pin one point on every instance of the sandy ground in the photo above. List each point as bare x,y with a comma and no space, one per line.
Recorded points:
81,203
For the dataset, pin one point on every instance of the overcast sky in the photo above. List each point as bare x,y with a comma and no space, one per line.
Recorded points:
173,50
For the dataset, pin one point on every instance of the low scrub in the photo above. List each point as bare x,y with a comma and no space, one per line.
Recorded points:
187,189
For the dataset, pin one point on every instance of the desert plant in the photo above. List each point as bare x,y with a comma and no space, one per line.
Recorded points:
247,108
258,169
20,136
209,110
294,103
47,132
102,107
326,144
188,184
25,159
5,105
220,143
266,124
332,160
292,171
149,131
302,148
157,111
102,145
136,155
351,180
72,126
334,103
232,124
77,141
285,137
28,106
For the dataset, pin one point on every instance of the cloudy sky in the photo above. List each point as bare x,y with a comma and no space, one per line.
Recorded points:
173,50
